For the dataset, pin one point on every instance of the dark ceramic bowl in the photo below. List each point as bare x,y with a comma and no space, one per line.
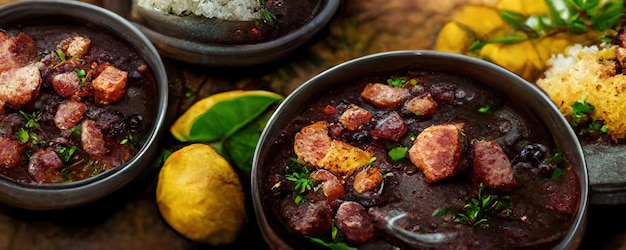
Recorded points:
212,42
524,95
66,195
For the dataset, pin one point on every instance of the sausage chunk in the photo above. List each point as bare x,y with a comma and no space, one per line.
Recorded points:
354,222
332,187
311,218
10,152
437,151
19,86
312,143
367,180
422,106
44,166
492,167
69,114
343,159
391,127
66,84
354,117
15,52
110,85
384,96
92,139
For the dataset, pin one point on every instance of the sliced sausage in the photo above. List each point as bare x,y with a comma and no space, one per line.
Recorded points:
69,114
44,166
10,152
367,180
15,52
354,117
19,86
66,84
422,106
109,86
354,222
312,142
92,139
492,167
331,185
437,151
391,127
384,96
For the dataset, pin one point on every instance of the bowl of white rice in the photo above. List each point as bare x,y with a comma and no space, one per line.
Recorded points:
227,33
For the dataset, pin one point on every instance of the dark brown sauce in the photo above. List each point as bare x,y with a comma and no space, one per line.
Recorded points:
531,225
128,120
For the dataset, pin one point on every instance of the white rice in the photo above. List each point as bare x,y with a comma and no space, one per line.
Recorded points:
233,10
587,73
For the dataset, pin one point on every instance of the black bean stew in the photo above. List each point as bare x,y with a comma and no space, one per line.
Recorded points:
382,162
74,103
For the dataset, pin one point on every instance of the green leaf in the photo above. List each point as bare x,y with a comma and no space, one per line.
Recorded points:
332,245
227,117
397,153
608,16
241,146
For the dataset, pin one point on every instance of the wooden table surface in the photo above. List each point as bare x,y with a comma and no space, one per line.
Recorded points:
129,219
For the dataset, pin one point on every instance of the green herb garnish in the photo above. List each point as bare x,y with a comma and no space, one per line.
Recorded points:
484,109
474,212
332,245
66,153
303,181
395,81
580,112
60,54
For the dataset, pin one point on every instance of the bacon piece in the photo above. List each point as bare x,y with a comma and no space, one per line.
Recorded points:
367,180
354,117
391,127
109,86
422,106
92,139
66,84
15,52
332,187
343,159
10,152
69,114
437,151
492,167
384,96
44,166
19,86
354,222
312,143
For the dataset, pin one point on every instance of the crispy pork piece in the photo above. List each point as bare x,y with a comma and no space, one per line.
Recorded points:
312,143
437,151
492,166
384,96
354,117
19,86
422,106
109,86
77,46
342,159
